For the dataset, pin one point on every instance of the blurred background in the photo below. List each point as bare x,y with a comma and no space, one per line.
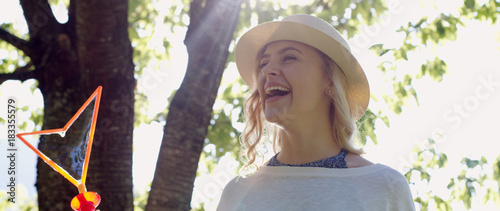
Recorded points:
172,96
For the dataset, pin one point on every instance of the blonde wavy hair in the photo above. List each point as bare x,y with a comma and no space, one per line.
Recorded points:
257,129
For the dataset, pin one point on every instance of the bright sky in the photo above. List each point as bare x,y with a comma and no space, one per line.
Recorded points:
460,108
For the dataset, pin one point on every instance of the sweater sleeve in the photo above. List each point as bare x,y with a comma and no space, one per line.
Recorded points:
231,195
399,193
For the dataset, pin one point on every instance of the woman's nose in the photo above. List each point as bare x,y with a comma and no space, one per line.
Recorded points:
271,69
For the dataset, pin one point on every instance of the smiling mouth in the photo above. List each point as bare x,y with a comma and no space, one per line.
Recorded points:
276,91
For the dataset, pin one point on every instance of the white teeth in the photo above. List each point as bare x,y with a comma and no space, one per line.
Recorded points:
268,90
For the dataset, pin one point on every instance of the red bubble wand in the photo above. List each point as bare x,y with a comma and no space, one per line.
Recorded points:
84,201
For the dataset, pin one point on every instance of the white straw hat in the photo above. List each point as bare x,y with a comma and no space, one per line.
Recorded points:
312,31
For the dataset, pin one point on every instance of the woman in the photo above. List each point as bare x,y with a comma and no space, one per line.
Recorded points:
308,92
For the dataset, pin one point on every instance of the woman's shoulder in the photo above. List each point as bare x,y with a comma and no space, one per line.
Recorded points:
239,180
356,161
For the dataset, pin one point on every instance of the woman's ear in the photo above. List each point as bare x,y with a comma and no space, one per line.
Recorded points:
329,88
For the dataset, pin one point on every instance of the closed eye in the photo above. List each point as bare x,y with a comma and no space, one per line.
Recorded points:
287,58
263,64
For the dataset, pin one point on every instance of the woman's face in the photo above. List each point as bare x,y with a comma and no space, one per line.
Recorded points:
291,82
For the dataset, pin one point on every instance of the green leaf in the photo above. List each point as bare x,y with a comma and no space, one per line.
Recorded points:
451,184
36,117
34,86
367,126
423,203
441,204
401,54
443,159
408,175
470,163
470,4
435,69
379,50
440,29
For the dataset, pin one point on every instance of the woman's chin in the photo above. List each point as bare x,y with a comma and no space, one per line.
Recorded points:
278,117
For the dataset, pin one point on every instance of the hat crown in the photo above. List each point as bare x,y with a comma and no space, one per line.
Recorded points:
319,25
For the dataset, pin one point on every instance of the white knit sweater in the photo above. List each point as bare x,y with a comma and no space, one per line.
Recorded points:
374,187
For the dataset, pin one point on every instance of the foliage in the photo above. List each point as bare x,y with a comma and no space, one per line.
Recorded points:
142,20
427,160
23,201
11,58
141,199
463,188
476,179
345,15
472,179
222,135
200,208
431,33
366,126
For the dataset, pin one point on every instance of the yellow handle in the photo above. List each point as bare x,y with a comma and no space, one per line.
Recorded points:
82,188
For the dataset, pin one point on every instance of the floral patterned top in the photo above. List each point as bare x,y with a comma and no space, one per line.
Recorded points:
337,161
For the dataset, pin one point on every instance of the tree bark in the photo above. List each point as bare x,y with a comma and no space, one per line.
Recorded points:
207,40
105,55
71,60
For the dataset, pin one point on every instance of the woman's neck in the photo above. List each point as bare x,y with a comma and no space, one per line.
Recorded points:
307,140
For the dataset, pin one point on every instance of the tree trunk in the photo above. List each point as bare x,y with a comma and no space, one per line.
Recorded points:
209,34
71,60
105,54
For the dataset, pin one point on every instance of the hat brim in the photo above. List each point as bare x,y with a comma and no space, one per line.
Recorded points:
251,42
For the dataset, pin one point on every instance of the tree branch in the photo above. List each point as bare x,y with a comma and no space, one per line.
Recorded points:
22,74
39,17
17,42
195,13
